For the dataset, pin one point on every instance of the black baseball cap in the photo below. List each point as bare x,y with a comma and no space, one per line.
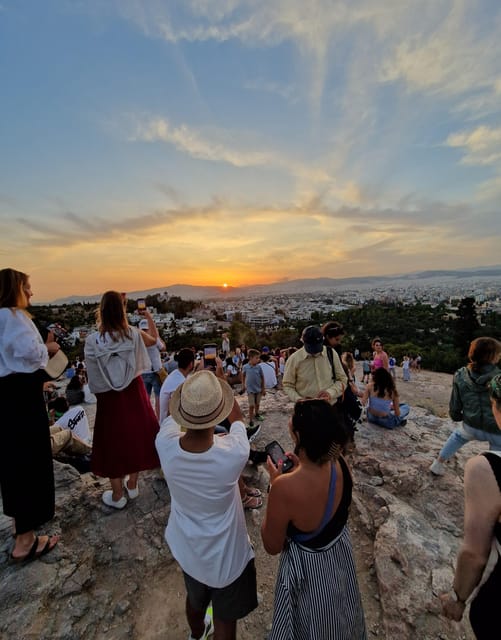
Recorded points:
312,339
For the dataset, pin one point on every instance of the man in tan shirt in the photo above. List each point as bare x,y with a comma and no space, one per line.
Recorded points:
308,372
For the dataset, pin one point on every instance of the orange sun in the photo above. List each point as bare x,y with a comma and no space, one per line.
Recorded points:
225,285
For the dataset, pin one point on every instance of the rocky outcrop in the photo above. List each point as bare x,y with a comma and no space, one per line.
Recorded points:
112,575
414,520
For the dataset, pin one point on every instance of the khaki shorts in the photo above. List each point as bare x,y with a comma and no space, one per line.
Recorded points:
228,603
254,399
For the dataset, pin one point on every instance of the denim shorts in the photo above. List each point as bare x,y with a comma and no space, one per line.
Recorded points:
152,382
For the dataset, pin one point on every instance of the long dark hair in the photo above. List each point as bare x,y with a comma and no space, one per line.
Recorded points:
383,382
319,430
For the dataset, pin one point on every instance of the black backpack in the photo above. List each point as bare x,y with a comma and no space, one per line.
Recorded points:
348,404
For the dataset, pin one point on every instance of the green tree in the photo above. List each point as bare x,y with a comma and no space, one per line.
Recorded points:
466,325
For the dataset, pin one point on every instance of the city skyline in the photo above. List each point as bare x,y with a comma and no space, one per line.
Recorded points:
210,142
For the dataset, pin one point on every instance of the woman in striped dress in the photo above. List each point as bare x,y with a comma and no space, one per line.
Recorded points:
316,594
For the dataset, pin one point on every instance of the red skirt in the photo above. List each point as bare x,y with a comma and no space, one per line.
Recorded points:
124,432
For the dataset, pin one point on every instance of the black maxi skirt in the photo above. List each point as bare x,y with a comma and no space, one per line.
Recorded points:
26,468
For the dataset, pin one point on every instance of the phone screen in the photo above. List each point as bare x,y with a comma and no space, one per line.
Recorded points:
210,353
276,453
141,304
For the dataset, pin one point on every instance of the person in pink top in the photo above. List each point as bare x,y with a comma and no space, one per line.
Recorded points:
380,357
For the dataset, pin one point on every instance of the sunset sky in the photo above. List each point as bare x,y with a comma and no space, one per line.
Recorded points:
146,143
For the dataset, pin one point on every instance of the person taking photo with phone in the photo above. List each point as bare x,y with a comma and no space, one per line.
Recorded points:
206,530
126,425
316,593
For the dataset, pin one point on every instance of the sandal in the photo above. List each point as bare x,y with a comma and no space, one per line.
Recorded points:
33,554
252,502
253,492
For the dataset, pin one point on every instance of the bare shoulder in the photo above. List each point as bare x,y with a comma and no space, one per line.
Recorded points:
284,484
479,478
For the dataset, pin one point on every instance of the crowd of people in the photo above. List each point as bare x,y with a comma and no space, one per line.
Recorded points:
194,429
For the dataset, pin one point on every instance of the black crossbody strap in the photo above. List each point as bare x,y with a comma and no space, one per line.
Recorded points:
330,356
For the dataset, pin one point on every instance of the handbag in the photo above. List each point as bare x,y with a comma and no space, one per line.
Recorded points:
57,365
162,374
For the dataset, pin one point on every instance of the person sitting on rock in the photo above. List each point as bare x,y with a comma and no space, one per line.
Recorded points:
71,416
231,372
70,435
384,407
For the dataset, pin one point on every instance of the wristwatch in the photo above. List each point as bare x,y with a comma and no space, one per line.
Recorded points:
454,596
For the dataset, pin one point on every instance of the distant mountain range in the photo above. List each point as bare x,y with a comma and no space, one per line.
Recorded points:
304,285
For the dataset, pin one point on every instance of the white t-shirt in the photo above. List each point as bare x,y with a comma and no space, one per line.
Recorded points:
206,531
76,420
172,382
270,377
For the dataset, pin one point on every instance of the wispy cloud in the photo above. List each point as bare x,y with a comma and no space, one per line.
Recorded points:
448,52
198,145
410,219
217,145
482,147
430,45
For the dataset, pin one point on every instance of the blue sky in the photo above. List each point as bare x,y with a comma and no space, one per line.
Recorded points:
146,143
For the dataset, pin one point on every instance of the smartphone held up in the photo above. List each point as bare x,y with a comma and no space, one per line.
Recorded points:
210,353
277,454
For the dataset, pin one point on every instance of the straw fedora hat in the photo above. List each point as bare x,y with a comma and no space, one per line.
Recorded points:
202,401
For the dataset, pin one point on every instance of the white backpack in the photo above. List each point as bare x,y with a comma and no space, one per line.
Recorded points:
112,366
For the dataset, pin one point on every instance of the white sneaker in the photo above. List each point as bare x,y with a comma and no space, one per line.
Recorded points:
132,493
209,625
437,468
107,498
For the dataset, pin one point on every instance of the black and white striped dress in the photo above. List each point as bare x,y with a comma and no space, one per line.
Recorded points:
316,594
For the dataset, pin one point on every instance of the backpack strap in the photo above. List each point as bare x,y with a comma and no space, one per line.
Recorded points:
330,356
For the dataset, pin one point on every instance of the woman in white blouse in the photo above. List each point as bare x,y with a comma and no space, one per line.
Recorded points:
26,471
